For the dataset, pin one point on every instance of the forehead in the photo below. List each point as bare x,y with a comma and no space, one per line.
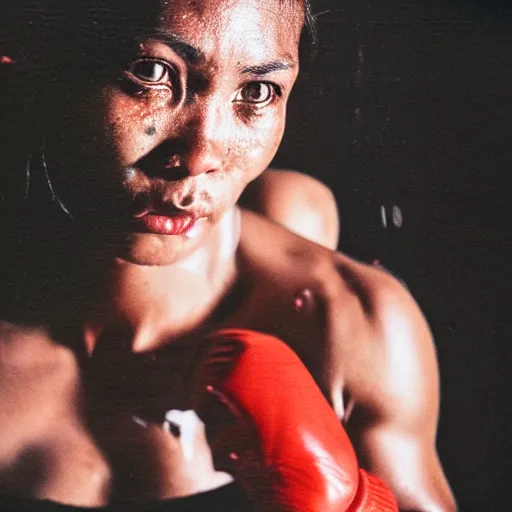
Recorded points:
252,30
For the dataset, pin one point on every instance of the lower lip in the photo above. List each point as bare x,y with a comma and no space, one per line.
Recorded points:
164,225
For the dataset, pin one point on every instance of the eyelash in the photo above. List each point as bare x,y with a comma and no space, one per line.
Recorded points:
167,73
275,90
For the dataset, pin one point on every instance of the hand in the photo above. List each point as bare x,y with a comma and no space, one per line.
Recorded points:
182,462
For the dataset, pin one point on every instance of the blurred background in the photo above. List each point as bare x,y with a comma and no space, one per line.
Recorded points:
405,113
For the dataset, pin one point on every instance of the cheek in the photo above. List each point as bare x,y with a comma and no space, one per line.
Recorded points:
250,149
261,140
135,125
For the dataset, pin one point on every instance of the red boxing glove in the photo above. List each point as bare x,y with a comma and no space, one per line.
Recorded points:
280,438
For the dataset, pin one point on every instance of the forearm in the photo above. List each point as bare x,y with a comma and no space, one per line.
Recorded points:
422,488
409,465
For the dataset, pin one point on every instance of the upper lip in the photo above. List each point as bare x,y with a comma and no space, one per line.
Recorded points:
154,203
164,209
175,213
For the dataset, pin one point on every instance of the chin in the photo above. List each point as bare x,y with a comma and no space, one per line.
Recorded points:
148,249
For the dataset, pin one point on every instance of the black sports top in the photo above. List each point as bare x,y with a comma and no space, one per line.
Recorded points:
226,498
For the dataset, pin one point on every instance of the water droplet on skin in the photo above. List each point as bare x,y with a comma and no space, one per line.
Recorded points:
303,301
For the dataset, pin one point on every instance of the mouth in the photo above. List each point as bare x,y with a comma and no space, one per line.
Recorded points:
161,224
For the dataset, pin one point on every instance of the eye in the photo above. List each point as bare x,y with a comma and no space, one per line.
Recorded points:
150,71
257,93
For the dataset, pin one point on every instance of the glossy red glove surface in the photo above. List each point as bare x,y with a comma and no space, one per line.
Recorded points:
276,432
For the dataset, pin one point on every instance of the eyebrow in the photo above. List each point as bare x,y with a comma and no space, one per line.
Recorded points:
270,67
195,55
185,50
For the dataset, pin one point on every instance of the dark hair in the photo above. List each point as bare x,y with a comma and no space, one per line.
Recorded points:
310,21
36,31
58,44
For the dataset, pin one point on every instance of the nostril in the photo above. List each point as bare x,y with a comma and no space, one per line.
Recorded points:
210,171
187,200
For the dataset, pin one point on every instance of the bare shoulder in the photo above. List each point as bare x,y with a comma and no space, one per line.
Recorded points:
367,344
396,355
370,332
273,248
391,386
33,367
338,295
366,309
294,183
30,347
297,201
387,303
338,280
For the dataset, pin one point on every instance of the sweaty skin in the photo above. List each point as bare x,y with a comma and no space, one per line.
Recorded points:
298,202
105,301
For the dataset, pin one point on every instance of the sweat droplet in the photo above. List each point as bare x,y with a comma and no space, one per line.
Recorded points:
303,301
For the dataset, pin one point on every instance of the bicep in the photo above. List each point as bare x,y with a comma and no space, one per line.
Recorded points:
407,461
395,419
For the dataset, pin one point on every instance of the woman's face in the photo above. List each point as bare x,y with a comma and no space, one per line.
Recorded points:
156,156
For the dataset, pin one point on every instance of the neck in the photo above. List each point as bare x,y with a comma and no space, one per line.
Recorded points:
154,305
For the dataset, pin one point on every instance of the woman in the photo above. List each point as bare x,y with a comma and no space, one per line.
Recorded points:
142,72
297,201
145,123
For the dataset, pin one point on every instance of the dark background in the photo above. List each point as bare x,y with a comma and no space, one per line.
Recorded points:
408,103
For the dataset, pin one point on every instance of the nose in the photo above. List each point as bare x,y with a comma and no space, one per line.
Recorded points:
206,139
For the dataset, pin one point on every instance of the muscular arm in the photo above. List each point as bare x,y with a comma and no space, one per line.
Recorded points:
298,202
394,422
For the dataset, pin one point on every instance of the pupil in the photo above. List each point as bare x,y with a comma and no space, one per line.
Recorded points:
254,92
150,71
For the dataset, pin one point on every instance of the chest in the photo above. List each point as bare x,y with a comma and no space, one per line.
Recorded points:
46,450
327,331
82,416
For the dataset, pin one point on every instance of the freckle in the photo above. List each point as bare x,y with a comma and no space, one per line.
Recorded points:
150,130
